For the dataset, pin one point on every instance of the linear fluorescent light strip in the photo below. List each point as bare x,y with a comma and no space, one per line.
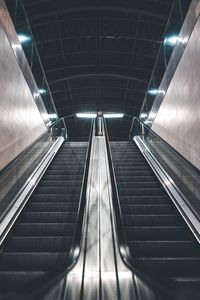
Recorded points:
92,115
87,116
113,116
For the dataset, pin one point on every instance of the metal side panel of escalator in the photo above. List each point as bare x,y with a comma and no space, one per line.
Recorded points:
161,244
42,236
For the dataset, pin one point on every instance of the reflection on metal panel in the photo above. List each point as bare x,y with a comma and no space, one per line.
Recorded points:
99,273
21,122
177,120
9,30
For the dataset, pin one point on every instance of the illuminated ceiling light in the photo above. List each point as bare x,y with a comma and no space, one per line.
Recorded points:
23,38
171,40
53,116
86,115
143,115
93,115
154,92
113,116
42,91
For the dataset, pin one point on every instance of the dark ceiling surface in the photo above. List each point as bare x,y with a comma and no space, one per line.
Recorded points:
98,55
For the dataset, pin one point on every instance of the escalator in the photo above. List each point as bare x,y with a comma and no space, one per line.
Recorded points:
41,239
160,242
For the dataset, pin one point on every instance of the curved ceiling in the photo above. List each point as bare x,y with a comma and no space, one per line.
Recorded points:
98,55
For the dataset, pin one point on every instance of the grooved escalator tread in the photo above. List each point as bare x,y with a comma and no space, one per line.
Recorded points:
41,239
160,242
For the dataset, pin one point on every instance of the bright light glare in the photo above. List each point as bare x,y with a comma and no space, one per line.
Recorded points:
143,115
155,92
113,116
42,91
24,38
93,115
53,116
171,40
86,115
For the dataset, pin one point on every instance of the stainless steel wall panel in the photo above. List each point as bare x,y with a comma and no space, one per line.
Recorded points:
178,119
184,35
21,122
8,28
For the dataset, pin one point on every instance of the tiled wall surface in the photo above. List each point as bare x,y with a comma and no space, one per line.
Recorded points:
20,120
178,119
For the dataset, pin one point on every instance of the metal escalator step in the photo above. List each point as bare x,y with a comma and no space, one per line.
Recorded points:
48,217
142,192
151,220
69,160
64,171
40,241
55,197
120,173
159,240
60,183
33,261
69,156
165,248
170,266
51,207
43,229
147,199
127,157
129,167
62,177
142,233
67,149
69,165
38,244
125,163
57,190
69,168
15,279
138,185
148,209
127,179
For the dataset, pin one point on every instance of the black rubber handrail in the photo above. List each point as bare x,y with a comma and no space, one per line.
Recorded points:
77,242
120,233
20,155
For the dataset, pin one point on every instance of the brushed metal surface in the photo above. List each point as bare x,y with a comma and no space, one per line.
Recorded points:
177,120
8,28
185,32
100,272
21,122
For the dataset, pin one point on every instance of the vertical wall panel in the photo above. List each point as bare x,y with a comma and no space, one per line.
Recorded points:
20,120
178,119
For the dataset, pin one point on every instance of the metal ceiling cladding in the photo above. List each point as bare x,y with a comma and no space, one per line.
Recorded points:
98,55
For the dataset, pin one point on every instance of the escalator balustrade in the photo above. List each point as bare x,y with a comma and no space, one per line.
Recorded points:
41,239
159,240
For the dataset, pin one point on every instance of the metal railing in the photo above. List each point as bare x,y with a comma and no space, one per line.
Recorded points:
17,172
185,175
